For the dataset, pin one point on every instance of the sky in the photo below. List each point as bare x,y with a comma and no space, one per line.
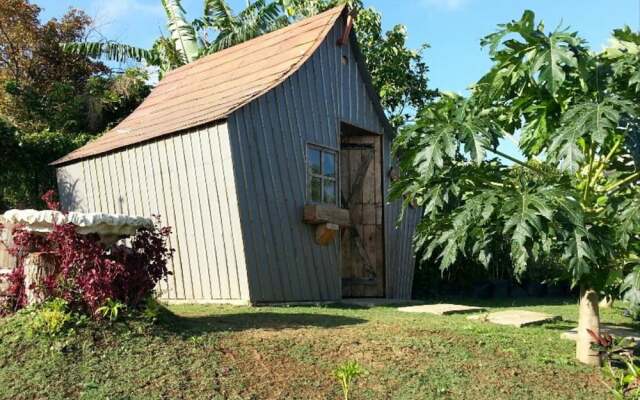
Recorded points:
452,28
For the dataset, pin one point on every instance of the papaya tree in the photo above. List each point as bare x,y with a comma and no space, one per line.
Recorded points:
572,194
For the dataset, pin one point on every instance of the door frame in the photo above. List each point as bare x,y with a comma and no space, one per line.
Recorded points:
347,128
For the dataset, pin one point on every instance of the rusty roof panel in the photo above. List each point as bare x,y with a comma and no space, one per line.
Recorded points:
214,86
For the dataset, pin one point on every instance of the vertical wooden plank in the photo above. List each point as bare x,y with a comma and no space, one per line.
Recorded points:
191,214
93,197
369,241
319,101
176,159
90,205
85,189
106,184
128,183
99,185
149,178
378,188
152,178
161,207
114,188
123,195
237,277
206,242
108,189
228,272
142,181
379,260
356,207
213,232
168,189
257,264
135,194
210,153
267,185
196,247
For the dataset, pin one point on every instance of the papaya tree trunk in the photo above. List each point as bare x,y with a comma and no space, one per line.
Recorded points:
588,319
606,302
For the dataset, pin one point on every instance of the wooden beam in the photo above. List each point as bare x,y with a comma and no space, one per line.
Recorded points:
316,214
360,175
358,241
347,31
325,233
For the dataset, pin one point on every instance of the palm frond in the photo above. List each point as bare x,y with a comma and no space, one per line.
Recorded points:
111,51
219,14
256,19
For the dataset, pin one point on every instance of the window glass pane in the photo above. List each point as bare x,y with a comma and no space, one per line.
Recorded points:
316,189
314,161
329,191
329,164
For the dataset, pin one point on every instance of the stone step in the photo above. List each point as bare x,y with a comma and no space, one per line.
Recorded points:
517,318
442,309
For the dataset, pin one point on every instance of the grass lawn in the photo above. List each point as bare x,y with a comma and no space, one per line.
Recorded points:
211,352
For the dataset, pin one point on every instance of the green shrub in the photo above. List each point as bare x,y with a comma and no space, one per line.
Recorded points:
51,318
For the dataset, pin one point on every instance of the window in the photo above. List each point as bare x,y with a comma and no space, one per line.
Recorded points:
322,175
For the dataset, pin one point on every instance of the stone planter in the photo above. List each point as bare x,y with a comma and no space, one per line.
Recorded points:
109,227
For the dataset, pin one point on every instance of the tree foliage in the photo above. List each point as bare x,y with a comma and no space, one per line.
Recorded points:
258,18
575,196
398,72
51,101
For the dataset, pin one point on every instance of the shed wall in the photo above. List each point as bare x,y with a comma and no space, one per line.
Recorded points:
188,180
269,138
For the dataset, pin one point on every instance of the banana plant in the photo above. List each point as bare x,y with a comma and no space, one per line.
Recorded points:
182,32
189,41
166,53
573,197
258,18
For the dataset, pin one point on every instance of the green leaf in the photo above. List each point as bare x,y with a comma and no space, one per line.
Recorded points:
551,61
593,121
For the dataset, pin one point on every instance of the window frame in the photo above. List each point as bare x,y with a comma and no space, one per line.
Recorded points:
323,178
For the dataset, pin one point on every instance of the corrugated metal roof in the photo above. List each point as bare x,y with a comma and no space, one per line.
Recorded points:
213,87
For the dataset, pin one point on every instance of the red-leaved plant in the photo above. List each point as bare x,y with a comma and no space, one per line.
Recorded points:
87,272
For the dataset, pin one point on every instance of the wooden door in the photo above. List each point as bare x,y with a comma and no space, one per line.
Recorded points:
362,244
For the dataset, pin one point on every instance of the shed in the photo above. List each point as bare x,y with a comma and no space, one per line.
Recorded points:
271,161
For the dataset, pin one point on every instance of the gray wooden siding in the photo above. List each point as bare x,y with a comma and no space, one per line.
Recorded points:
188,180
269,138
399,255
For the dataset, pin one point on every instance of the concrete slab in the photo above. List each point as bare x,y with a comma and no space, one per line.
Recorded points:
517,318
442,309
613,330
